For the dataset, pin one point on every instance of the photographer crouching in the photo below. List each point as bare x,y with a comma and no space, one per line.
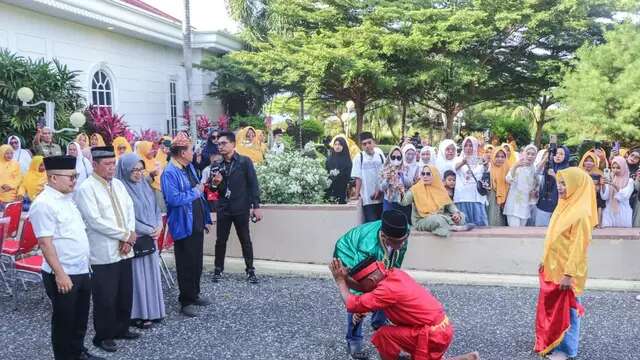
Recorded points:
239,200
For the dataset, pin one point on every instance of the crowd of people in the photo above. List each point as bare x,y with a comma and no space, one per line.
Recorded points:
472,184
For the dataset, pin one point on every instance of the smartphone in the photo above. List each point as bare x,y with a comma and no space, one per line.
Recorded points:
616,146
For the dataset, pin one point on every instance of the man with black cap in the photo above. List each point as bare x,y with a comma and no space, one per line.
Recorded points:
107,211
420,326
366,170
385,240
278,146
61,234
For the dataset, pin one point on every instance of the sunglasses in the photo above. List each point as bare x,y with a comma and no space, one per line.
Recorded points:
395,157
424,173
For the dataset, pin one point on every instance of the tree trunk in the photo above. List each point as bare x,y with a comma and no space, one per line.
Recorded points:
450,116
404,118
539,125
360,106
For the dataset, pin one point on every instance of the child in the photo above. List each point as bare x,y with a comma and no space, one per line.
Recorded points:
207,177
450,182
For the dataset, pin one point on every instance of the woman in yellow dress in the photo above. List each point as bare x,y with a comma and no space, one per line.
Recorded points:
35,179
152,168
121,146
97,140
248,144
10,177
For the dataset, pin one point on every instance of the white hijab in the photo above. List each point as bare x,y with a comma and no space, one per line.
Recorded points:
432,158
83,166
22,156
411,167
441,162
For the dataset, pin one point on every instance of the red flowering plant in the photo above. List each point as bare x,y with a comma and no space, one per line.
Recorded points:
223,122
148,135
106,123
202,124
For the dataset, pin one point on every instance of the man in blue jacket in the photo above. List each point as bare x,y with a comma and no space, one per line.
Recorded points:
188,216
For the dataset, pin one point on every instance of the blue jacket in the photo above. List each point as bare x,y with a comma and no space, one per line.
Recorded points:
179,196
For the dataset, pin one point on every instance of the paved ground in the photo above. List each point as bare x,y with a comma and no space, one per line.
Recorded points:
302,318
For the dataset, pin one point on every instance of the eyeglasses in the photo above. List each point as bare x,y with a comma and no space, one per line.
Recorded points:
425,173
137,170
122,147
214,136
395,157
73,177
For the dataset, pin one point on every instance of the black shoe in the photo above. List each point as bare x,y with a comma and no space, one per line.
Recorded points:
217,276
202,301
107,345
189,311
86,355
129,335
356,352
251,277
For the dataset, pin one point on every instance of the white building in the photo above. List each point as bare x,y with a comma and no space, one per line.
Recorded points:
128,52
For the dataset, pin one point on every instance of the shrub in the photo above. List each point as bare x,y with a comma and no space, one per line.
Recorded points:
291,178
257,122
519,128
312,130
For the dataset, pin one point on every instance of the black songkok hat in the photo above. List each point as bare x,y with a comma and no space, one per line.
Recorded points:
394,223
365,135
277,132
102,152
63,162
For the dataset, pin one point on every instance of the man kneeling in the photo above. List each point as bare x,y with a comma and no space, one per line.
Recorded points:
420,324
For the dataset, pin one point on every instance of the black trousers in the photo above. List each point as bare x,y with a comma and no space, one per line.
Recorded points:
70,315
112,299
188,253
372,212
223,228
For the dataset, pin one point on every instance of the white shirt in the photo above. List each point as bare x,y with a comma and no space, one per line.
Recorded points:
466,185
107,211
368,171
54,214
277,148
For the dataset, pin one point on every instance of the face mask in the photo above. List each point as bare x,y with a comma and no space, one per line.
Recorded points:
396,162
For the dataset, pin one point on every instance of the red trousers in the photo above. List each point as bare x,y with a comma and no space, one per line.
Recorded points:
429,343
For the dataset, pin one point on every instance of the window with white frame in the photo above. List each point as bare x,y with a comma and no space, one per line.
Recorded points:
101,90
172,123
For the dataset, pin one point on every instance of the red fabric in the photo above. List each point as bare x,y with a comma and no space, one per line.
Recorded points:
368,270
553,315
413,310
10,246
31,264
422,344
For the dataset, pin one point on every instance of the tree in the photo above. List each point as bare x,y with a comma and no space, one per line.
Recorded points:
601,96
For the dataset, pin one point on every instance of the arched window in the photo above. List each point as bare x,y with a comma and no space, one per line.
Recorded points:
101,90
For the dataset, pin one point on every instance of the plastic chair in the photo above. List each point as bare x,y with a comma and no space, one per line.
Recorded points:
4,222
13,211
27,266
165,242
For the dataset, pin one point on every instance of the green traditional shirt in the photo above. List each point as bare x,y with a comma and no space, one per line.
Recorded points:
363,241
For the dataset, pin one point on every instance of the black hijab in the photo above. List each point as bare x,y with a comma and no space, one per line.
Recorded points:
341,160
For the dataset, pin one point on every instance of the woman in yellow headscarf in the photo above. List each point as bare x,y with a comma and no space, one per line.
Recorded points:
35,179
564,264
153,168
83,140
248,144
163,151
499,187
10,176
512,156
432,208
97,140
591,164
121,146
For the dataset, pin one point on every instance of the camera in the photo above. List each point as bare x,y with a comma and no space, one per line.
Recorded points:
216,168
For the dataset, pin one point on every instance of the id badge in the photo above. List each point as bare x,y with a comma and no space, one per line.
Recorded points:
228,194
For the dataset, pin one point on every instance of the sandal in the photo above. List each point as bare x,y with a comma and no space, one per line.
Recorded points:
142,324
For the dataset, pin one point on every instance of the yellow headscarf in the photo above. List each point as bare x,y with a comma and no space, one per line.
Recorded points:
596,167
254,149
513,157
143,148
100,139
499,177
623,152
353,147
11,175
429,199
161,157
34,180
86,140
570,228
120,140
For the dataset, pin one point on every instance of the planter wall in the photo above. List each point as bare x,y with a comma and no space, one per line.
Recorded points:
307,234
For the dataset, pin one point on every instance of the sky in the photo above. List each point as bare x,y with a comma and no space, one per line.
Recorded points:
205,14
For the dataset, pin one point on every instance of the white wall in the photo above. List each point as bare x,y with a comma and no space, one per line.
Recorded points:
141,69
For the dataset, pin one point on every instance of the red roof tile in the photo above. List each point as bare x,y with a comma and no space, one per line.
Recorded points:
148,8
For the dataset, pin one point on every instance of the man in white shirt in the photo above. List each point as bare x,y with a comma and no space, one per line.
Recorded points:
58,225
107,211
366,170
278,146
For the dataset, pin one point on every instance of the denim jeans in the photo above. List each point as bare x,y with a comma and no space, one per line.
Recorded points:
354,332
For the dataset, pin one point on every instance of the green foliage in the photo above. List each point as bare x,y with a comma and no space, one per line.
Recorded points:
255,121
602,94
312,130
49,80
291,178
517,127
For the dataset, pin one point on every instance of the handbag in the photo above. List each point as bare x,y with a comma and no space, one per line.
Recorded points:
144,246
479,184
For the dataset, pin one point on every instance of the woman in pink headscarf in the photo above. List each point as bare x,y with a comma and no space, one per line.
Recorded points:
616,191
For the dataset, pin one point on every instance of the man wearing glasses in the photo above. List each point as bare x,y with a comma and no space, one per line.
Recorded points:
58,225
43,143
366,170
386,241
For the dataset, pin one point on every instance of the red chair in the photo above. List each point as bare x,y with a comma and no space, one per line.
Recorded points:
27,266
165,242
4,222
13,211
